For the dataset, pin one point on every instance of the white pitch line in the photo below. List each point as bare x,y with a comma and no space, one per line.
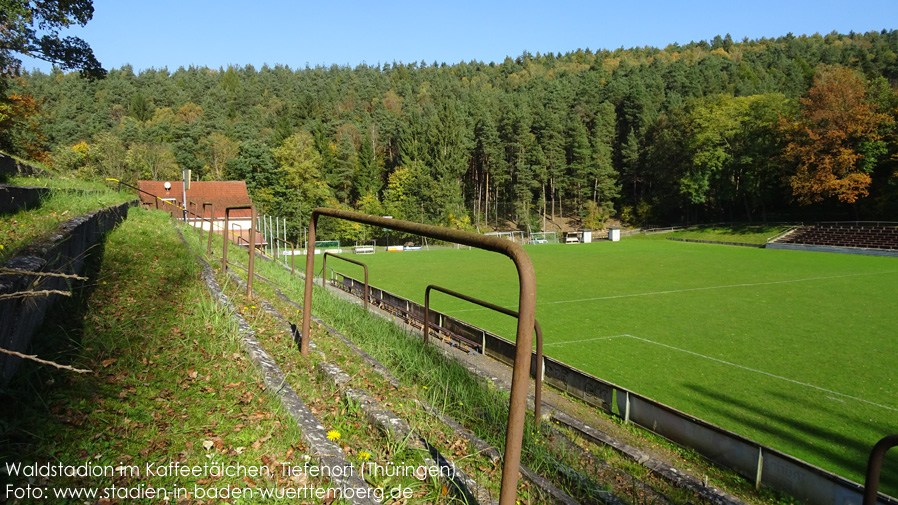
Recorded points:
705,288
805,384
584,340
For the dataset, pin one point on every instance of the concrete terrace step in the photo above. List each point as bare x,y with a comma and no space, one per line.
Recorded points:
326,452
870,237
383,418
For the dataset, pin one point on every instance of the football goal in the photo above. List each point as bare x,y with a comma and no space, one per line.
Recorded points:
515,236
544,237
327,245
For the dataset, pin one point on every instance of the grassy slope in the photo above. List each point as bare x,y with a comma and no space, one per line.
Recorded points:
742,234
830,329
169,376
59,206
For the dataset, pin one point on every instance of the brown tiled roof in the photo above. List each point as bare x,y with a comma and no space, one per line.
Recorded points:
222,194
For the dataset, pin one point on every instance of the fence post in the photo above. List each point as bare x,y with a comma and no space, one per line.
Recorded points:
760,467
211,226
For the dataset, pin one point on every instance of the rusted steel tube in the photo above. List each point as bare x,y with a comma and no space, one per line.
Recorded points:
354,262
874,466
197,219
307,294
292,256
196,209
239,235
517,409
508,312
211,226
252,245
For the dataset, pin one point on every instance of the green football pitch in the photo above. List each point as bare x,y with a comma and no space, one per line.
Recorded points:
796,350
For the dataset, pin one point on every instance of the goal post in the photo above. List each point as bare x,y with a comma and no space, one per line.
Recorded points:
515,236
544,237
327,245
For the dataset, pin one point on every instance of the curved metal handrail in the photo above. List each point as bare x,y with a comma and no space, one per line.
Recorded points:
354,262
526,309
508,312
874,466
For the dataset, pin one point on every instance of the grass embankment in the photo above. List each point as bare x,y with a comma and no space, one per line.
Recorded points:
68,198
737,233
363,443
170,385
450,387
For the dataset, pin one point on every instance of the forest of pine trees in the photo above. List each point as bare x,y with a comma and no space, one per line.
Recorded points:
793,128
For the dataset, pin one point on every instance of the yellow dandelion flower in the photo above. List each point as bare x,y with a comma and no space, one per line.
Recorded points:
364,455
333,435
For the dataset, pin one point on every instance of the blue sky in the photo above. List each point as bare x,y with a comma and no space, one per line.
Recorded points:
174,33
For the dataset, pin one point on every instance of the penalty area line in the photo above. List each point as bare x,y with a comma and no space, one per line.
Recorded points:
584,340
768,374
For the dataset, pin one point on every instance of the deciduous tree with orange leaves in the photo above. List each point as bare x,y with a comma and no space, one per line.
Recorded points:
835,139
19,129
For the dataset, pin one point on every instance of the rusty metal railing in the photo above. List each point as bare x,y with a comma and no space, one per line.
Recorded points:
517,408
354,262
211,226
874,466
196,217
239,236
252,245
508,312
292,254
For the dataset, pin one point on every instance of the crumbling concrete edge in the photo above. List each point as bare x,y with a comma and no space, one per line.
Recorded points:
479,444
325,451
666,471
385,420
378,415
61,251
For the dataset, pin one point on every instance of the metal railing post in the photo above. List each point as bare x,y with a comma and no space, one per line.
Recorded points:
359,263
252,245
252,256
239,235
517,409
874,467
224,236
211,226
307,296
508,312
292,255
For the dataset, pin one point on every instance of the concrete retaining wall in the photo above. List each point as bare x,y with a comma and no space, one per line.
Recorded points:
63,251
13,198
10,167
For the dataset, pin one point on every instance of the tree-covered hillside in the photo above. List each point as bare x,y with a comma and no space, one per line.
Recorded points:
794,127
